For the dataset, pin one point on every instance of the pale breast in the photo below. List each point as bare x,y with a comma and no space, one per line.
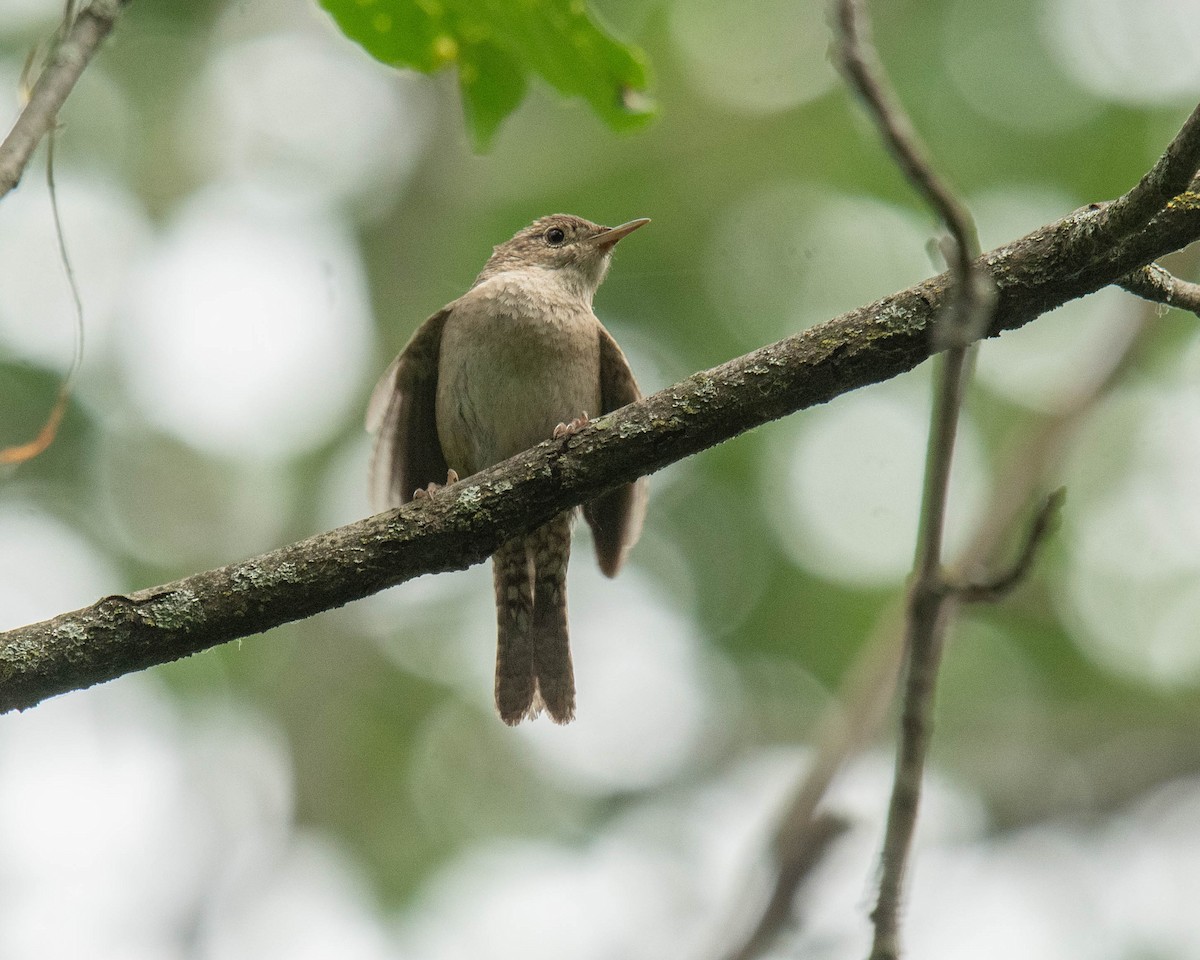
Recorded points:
518,357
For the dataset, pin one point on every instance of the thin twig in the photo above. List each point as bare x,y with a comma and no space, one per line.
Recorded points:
862,67
56,81
794,866
23,452
869,687
931,599
860,709
1002,584
1167,179
1159,285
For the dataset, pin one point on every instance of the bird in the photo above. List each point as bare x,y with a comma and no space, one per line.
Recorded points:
518,359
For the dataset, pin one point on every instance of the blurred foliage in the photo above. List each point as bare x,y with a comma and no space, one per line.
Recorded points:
496,45
774,206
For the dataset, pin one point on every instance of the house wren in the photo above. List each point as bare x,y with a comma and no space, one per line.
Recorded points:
517,359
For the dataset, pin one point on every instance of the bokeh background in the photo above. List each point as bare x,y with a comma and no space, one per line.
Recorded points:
259,215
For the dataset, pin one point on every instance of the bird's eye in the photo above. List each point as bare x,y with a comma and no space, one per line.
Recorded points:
555,236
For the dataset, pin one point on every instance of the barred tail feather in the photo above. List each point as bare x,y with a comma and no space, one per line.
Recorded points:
550,547
512,574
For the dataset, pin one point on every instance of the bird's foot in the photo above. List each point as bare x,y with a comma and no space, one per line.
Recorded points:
424,493
566,429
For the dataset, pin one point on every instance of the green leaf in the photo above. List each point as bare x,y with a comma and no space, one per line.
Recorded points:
497,44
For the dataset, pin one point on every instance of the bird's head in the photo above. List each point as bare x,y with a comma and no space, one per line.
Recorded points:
575,250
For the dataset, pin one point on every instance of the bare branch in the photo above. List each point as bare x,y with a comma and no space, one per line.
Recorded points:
795,864
930,599
863,703
864,71
1159,285
869,686
933,597
1044,522
1167,179
873,343
58,78
1171,182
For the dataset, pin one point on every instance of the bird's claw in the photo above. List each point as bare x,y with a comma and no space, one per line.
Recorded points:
427,491
566,429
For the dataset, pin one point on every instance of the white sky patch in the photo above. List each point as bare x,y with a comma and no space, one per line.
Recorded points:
530,901
171,505
1046,364
760,59
1128,51
644,702
996,58
305,115
21,15
1132,587
249,330
644,686
673,876
312,902
46,567
114,808
857,249
848,489
107,233
789,255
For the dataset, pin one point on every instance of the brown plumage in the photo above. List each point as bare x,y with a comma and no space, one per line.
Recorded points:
491,374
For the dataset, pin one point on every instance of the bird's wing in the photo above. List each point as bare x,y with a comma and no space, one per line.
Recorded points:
402,415
616,517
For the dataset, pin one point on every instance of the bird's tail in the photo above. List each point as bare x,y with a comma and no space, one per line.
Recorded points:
550,547
533,648
512,574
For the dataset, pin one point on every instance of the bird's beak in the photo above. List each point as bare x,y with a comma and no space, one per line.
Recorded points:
608,239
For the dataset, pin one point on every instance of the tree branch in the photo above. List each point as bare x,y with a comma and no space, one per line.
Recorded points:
868,687
1159,285
1000,585
796,863
859,710
122,634
67,62
860,63
931,600
1169,177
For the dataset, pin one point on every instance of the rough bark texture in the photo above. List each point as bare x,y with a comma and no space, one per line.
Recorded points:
468,521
